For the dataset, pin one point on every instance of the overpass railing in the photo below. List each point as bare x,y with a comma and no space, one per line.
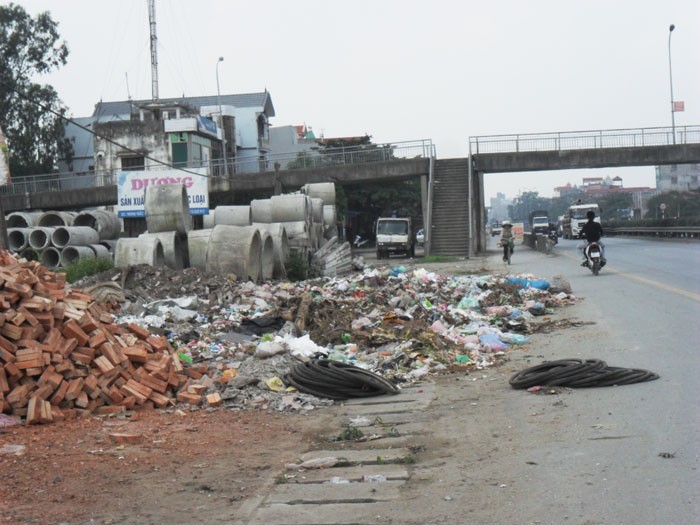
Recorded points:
315,157
574,140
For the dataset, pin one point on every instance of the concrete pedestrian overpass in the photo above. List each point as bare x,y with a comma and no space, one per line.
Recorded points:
452,189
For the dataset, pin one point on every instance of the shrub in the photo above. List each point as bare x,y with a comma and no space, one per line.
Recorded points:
297,267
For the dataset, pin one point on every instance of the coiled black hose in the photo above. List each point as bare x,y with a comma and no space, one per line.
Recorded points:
578,373
337,380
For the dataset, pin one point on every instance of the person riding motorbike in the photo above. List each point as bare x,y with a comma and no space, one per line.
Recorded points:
592,231
507,241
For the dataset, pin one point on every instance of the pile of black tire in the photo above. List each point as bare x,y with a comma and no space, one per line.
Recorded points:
579,373
337,380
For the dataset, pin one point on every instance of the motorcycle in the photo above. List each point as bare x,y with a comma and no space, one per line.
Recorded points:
594,257
553,236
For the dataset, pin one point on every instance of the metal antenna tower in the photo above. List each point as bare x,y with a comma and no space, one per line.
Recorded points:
154,50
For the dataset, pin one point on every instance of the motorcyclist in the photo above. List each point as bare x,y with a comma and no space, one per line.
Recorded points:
507,238
592,231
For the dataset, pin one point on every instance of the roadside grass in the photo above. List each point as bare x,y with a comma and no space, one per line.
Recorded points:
86,267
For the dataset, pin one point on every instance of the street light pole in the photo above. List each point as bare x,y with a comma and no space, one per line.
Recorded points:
670,74
221,116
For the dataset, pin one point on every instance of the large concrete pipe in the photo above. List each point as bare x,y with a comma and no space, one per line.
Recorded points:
101,251
233,215
290,208
22,219
321,190
317,210
53,219
296,229
74,236
281,247
40,238
105,223
50,257
74,254
18,238
330,221
131,251
110,244
197,245
261,210
267,255
174,249
235,249
30,254
167,209
209,221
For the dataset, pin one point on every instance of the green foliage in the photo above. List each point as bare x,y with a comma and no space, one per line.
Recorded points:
614,206
86,267
438,259
349,433
29,47
525,203
681,204
297,267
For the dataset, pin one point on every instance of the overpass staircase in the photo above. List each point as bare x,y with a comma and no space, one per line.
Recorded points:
450,214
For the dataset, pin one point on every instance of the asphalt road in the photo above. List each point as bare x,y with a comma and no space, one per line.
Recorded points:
619,455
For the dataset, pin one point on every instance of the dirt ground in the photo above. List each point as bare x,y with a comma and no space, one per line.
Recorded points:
202,463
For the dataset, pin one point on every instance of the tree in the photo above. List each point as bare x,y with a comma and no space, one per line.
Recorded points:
678,204
28,47
525,203
615,206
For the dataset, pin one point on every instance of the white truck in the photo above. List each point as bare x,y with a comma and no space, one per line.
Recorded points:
395,236
575,218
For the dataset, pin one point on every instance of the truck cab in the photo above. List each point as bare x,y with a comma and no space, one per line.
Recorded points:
395,236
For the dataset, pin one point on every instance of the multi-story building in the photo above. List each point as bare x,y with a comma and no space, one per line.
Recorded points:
679,177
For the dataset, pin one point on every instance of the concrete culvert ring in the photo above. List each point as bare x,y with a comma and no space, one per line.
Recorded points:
22,219
40,238
74,254
105,223
131,251
56,218
50,257
18,238
167,209
235,249
74,236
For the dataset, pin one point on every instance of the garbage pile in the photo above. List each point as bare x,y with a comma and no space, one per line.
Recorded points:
397,323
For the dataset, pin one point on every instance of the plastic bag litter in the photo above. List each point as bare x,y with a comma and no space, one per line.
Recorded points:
374,478
361,323
301,346
268,349
529,283
469,302
493,342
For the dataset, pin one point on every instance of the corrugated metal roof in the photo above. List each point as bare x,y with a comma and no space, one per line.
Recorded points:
241,100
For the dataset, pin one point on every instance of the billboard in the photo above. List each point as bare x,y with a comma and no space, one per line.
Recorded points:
131,189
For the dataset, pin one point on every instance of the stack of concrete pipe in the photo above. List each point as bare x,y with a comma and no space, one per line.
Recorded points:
59,238
168,222
252,242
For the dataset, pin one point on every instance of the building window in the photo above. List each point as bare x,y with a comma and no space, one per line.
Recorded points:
133,163
674,180
674,167
694,179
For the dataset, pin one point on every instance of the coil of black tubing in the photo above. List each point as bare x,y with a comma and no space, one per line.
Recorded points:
337,380
579,373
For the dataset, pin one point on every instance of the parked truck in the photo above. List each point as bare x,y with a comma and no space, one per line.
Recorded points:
575,218
539,222
395,236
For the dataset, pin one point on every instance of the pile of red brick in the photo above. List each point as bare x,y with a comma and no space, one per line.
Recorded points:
62,355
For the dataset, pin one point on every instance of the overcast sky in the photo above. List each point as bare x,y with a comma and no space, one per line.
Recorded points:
401,70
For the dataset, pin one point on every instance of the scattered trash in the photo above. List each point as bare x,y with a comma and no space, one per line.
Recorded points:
326,462
13,450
